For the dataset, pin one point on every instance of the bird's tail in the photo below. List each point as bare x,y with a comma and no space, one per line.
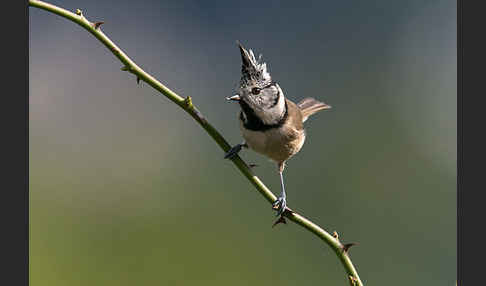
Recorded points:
309,106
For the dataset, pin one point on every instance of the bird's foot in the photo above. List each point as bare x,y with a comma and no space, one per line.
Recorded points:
234,151
280,205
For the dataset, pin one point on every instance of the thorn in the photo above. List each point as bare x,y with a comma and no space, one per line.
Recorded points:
347,246
252,165
79,12
281,219
335,235
125,68
98,24
138,80
353,280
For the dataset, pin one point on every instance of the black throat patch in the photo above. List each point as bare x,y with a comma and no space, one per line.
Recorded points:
254,123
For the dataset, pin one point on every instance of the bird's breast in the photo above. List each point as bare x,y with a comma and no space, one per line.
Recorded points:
279,144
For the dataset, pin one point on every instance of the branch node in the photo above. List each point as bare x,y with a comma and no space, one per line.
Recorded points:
281,219
347,246
353,280
335,235
115,51
188,102
97,24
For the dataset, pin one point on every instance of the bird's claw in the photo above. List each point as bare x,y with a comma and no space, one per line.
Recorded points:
233,152
280,205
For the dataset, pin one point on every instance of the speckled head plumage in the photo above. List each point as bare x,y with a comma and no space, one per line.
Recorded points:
253,71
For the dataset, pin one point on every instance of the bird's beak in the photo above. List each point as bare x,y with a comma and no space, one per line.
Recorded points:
235,97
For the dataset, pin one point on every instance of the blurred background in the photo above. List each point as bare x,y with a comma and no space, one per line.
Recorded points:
127,189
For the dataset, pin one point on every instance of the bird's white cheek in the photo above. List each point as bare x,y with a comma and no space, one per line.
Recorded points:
274,114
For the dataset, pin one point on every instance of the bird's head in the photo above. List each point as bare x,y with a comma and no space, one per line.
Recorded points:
256,90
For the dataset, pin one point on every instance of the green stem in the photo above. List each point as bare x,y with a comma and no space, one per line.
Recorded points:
186,104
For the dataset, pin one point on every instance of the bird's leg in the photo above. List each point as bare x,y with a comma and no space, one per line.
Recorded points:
235,150
281,203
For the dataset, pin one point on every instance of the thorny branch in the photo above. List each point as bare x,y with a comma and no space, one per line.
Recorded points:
341,250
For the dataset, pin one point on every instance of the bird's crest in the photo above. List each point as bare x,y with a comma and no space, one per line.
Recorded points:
253,71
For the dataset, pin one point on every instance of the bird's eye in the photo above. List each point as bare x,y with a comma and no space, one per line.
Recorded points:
256,90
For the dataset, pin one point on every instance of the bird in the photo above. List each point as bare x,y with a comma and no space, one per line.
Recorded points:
271,124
